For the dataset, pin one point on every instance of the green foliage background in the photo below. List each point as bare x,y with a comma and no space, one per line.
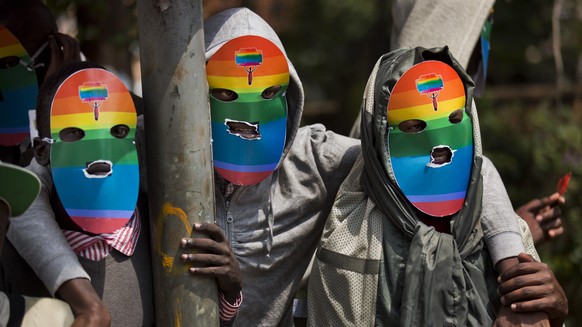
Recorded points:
532,137
533,141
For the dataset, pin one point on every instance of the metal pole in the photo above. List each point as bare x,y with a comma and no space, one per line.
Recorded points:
178,154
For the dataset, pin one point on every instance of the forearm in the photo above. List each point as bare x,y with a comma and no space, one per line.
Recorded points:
85,303
45,250
39,240
506,315
501,230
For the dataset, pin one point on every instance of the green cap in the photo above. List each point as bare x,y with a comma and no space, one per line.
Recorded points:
18,187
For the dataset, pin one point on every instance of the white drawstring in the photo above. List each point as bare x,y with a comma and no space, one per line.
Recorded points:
48,140
32,66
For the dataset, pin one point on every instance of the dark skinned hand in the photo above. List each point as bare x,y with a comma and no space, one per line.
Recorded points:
530,286
64,49
544,217
507,317
85,303
213,257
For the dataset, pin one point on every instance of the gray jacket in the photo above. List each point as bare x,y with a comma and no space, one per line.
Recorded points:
274,226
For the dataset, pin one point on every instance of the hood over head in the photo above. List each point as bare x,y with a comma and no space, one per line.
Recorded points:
236,22
240,22
381,85
432,256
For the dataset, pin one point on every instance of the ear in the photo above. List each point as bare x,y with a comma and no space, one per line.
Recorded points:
41,151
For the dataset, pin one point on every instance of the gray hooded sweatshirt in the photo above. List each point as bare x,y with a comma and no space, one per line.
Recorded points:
275,225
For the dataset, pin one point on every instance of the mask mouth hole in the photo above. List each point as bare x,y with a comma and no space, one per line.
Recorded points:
98,169
243,129
440,156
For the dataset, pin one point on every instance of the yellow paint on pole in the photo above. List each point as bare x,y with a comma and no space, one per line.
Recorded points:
168,210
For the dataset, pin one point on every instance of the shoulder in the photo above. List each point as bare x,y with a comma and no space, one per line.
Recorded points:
42,172
487,164
326,143
325,150
489,172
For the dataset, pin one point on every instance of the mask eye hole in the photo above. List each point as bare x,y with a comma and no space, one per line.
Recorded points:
270,92
9,62
412,126
225,95
119,131
71,134
456,116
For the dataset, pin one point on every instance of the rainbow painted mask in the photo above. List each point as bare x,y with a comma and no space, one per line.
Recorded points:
430,139
94,159
18,89
248,78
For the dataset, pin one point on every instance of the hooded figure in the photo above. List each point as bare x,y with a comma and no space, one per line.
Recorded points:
380,262
94,157
85,224
273,222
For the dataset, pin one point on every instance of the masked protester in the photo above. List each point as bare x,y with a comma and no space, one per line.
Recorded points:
18,89
266,166
404,244
87,158
93,154
27,56
468,36
248,79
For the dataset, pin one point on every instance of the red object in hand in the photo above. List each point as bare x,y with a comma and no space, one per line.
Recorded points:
563,183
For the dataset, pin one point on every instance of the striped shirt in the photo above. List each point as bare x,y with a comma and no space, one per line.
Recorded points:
97,247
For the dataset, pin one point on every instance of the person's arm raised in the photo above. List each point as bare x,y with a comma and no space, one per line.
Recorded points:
544,217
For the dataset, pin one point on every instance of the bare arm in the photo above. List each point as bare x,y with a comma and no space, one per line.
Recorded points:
85,303
544,217
530,286
64,49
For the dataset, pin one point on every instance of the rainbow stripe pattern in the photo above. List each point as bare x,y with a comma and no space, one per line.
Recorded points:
248,57
238,160
18,90
436,191
97,205
93,91
429,83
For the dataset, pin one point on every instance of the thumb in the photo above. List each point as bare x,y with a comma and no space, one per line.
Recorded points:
524,257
